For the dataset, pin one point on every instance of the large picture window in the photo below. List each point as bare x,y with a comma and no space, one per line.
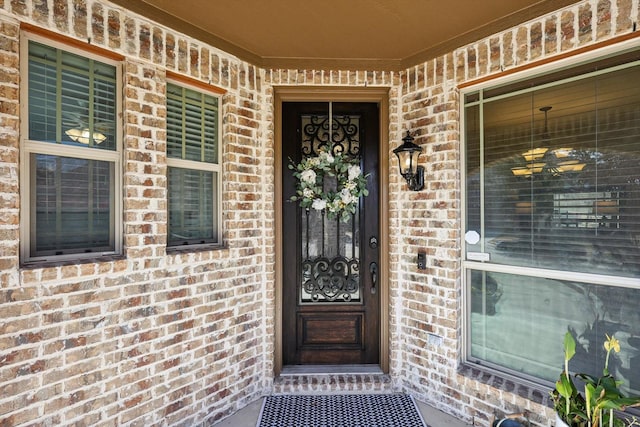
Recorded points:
70,154
552,221
193,167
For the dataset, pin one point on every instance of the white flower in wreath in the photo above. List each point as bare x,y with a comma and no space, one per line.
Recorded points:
354,172
308,193
319,204
346,197
308,176
327,157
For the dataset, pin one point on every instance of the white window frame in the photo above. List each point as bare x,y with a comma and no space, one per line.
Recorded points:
215,168
476,262
29,147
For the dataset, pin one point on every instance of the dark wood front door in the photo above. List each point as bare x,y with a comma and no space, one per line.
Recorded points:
331,305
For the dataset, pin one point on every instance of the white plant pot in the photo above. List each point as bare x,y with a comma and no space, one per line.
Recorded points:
559,422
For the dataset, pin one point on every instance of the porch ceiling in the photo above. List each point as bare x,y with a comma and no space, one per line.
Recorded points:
340,34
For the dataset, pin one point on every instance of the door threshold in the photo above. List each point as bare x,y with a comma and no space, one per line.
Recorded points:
291,370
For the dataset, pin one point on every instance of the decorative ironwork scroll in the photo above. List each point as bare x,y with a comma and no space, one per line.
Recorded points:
330,248
337,279
343,138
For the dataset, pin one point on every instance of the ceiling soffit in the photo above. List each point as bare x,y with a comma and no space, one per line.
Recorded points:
279,41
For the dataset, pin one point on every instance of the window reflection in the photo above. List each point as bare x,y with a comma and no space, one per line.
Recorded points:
553,184
584,219
539,311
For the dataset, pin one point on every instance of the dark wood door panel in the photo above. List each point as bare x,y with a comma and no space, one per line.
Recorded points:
332,357
330,331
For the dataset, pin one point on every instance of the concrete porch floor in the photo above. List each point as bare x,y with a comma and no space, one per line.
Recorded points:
248,417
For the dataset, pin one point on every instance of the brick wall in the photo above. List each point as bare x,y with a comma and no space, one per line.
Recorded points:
153,338
188,338
431,220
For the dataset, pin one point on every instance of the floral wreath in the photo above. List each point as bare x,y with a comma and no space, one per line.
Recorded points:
351,184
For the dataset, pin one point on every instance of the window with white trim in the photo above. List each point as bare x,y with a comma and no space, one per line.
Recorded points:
194,184
552,221
70,153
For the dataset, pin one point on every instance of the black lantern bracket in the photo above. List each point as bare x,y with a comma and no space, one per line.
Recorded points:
408,154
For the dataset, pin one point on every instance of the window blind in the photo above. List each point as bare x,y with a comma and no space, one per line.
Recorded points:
192,150
192,120
553,184
191,206
67,91
72,204
575,207
71,101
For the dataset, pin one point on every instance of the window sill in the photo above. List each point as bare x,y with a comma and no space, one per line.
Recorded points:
77,261
534,392
195,248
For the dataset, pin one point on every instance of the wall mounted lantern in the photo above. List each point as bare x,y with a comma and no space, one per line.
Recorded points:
408,154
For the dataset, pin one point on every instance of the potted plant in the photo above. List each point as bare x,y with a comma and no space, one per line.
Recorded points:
596,406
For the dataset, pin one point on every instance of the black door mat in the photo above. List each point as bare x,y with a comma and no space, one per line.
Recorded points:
340,410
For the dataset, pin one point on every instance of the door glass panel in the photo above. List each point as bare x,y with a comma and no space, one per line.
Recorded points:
330,263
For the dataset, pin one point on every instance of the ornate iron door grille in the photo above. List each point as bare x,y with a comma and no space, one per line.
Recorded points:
330,248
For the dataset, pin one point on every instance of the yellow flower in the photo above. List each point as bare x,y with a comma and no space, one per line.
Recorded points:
612,344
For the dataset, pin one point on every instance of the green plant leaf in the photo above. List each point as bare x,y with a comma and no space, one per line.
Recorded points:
564,386
569,346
